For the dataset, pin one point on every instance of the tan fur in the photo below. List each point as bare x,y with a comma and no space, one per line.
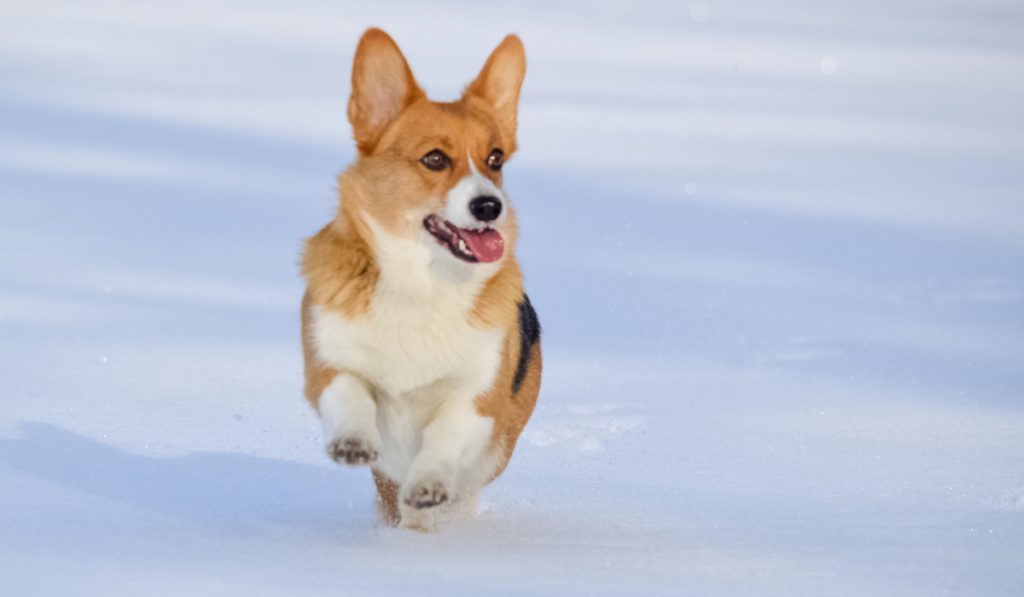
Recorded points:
387,499
394,125
318,375
497,305
339,268
511,411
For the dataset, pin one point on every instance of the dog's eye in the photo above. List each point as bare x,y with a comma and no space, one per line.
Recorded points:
495,159
435,160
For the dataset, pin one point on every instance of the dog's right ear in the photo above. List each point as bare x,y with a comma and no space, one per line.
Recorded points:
382,86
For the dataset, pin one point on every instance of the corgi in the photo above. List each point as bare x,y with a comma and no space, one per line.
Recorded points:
422,351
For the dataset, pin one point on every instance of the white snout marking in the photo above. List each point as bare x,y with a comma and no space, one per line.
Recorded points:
473,185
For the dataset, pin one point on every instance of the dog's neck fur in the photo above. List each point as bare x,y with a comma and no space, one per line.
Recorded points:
353,259
350,262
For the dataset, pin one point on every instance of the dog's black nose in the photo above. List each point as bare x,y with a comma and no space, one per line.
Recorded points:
485,208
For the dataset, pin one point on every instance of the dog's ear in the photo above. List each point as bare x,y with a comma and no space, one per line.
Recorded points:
499,82
382,86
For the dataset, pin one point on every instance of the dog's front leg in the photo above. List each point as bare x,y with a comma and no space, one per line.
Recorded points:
454,440
349,416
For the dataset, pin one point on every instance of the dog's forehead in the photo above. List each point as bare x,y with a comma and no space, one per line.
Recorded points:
460,126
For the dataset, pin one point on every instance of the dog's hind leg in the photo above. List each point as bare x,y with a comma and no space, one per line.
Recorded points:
387,499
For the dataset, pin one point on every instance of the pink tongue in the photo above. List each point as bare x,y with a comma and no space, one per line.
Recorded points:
486,245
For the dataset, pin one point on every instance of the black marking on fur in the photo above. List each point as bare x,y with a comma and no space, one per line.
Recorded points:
529,334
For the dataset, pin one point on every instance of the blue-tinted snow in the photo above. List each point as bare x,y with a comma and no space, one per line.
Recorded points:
777,248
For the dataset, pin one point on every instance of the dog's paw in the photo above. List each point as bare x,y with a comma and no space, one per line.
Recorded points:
427,494
354,451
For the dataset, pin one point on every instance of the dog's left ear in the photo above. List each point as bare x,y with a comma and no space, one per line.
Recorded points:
499,82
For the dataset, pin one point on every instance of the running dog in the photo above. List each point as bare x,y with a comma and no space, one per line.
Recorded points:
422,351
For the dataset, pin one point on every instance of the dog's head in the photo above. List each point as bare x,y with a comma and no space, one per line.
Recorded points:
430,171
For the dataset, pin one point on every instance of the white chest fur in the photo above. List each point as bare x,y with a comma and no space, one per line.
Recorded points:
404,347
418,329
416,347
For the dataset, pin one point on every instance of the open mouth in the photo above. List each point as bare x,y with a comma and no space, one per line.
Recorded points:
470,245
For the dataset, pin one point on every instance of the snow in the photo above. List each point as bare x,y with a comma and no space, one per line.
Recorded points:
777,248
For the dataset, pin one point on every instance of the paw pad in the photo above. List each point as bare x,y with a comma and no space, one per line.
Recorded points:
427,495
352,451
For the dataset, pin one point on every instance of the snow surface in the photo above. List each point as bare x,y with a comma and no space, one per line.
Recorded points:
777,248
